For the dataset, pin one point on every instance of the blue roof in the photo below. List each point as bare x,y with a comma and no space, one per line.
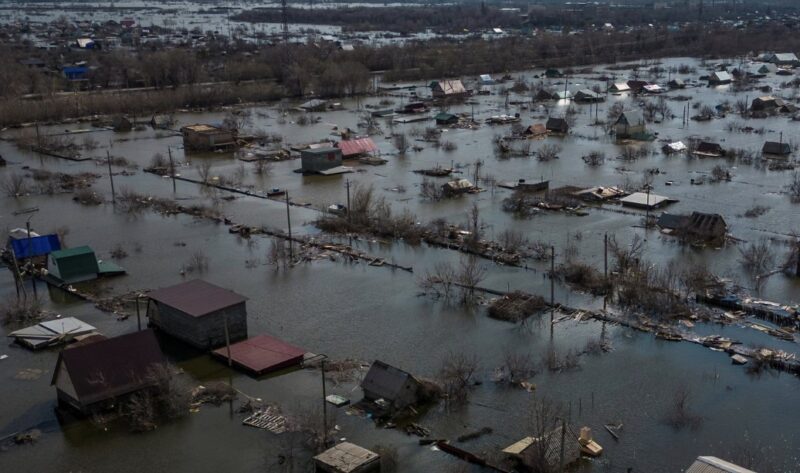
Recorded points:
35,246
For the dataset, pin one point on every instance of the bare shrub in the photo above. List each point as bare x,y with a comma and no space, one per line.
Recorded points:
469,275
517,367
793,188
441,281
430,190
756,211
118,252
204,171
159,162
757,257
548,152
679,414
456,375
87,197
167,398
512,240
595,158
198,262
262,167
449,146
14,185
22,311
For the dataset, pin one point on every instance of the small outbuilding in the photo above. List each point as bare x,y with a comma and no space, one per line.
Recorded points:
357,147
199,313
78,264
92,377
397,388
708,149
720,78
676,84
766,103
643,200
201,137
457,187
588,96
445,118
619,87
347,457
262,354
546,451
317,160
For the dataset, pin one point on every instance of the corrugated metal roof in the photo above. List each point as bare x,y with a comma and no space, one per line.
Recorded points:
197,298
357,146
111,367
346,457
262,354
715,465
384,381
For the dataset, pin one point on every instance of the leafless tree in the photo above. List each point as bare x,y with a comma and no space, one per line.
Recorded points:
794,187
400,141
548,152
204,170
456,375
14,185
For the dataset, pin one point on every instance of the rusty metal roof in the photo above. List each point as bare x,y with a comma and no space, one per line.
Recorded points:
715,465
112,367
197,298
262,354
357,146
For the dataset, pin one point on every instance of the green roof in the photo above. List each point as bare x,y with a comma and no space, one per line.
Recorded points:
80,250
445,116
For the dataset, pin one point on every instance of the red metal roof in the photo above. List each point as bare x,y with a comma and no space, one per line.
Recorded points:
197,298
357,146
262,354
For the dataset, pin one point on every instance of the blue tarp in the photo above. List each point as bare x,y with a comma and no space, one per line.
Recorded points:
35,246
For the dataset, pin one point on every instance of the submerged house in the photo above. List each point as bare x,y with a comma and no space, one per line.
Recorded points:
545,452
697,227
199,313
457,187
445,118
776,148
588,96
557,125
318,160
447,89
619,87
629,124
784,59
92,376
35,247
397,388
357,147
706,148
766,103
720,78
206,137
347,457
676,84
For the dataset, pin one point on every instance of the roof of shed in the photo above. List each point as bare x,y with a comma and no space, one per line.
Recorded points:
715,465
346,457
197,298
262,354
357,146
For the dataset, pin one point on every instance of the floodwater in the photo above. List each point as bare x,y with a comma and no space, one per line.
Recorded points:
347,310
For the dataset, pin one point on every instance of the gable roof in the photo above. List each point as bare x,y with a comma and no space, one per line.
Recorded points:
385,381
111,367
631,117
774,147
197,298
451,87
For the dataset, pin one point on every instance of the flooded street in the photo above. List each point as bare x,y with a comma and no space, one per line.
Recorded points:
349,310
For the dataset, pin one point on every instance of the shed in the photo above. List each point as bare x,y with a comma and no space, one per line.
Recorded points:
35,246
262,354
588,96
51,332
314,105
486,79
715,465
397,387
75,73
553,73
776,148
643,200
197,313
448,89
74,265
784,59
767,69
629,123
653,89
121,123
445,118
537,129
347,457
636,86
357,147
719,78
316,160
93,376
557,125
545,451
675,147
200,137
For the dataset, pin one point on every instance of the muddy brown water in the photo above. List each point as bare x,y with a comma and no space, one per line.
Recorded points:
353,310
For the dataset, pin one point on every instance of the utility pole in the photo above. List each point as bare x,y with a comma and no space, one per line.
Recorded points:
552,286
228,342
30,256
347,185
605,255
289,224
285,21
172,170
111,178
138,314
561,455
324,407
